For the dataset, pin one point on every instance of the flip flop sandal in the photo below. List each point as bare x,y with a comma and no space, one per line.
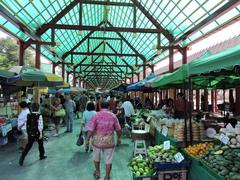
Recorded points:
95,175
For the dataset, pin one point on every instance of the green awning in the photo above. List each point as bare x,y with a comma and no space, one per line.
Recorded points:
227,59
177,77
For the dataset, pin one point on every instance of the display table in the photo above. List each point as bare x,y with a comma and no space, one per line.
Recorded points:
197,171
159,139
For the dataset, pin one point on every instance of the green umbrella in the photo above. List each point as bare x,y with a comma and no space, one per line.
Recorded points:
29,76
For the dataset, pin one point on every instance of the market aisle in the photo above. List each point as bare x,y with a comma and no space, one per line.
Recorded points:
65,161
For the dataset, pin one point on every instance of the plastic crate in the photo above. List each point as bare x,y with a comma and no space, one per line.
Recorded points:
170,165
3,141
172,175
153,177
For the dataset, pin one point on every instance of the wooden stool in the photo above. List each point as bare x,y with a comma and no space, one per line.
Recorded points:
140,147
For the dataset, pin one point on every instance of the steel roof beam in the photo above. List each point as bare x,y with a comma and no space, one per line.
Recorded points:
62,13
128,43
115,63
120,56
101,28
107,3
80,42
89,54
103,65
103,54
105,38
104,71
164,31
219,12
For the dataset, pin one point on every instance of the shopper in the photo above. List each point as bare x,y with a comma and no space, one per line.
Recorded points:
70,107
169,107
102,127
98,103
120,114
56,119
128,110
87,115
34,132
148,104
83,102
112,103
22,118
181,105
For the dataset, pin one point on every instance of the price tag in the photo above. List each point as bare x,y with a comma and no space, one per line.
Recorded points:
230,128
166,145
165,131
224,139
179,157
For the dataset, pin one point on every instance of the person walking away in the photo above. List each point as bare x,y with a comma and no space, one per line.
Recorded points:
112,104
70,107
180,108
83,102
77,110
87,115
98,104
34,132
128,111
120,114
22,119
102,127
56,120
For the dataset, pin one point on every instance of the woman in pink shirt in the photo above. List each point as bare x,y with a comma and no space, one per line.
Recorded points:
102,127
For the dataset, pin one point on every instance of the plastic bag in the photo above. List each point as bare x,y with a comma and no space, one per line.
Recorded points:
80,140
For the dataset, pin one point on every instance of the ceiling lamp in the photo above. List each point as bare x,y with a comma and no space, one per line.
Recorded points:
122,58
52,49
58,43
108,8
159,51
134,35
154,47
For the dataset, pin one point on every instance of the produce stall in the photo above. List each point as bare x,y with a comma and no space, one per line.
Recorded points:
6,125
208,156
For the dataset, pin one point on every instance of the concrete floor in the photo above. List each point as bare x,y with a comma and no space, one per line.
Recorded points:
65,161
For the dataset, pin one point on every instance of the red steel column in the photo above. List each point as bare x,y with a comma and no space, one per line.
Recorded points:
21,53
37,58
63,72
53,67
206,99
67,76
144,71
197,99
212,101
237,105
74,78
215,99
171,66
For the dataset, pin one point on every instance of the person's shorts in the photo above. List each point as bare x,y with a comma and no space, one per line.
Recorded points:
56,120
108,154
24,135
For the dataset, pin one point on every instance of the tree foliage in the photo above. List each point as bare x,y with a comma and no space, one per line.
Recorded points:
9,54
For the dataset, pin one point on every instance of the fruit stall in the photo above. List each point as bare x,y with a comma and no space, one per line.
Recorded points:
6,126
212,158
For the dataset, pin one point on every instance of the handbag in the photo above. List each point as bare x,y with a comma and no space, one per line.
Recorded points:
60,113
80,140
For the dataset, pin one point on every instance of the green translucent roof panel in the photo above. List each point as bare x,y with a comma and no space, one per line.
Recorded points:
176,16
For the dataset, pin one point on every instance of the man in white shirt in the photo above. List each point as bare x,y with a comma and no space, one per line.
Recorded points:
128,110
22,118
34,132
